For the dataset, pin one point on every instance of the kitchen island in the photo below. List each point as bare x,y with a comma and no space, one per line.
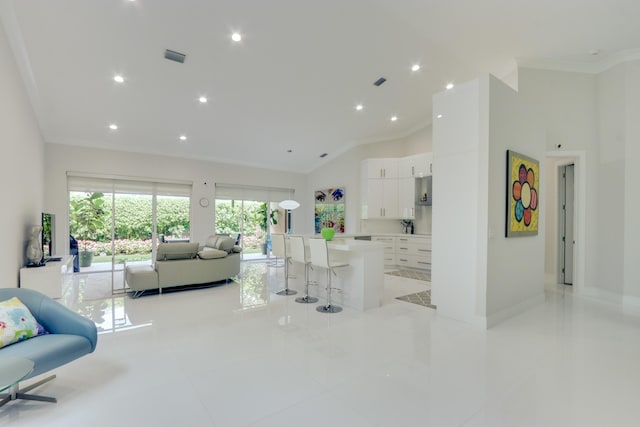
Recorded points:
362,281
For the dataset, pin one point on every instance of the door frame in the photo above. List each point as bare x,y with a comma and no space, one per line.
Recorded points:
578,158
563,230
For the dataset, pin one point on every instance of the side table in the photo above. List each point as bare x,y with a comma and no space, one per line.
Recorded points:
12,371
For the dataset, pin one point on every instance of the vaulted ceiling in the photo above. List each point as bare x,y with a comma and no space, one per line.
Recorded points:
288,91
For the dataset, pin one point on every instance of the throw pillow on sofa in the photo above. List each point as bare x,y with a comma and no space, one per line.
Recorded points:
171,251
225,244
212,241
211,253
16,322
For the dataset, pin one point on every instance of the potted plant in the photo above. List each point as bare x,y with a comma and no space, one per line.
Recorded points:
86,218
261,216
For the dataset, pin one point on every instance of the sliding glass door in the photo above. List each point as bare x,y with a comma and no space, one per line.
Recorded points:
252,213
118,222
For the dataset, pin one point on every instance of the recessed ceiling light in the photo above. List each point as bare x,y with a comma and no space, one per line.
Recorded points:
203,99
183,137
118,78
394,118
415,67
113,126
449,86
439,116
359,107
236,37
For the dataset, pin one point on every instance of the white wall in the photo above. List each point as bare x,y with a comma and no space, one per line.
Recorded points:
457,140
610,92
63,158
515,265
341,171
551,221
419,142
479,276
632,201
344,170
22,169
564,104
597,115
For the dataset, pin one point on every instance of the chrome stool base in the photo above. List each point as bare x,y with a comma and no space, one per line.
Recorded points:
306,300
286,292
329,308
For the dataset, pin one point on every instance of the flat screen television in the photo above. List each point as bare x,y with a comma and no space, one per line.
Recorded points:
48,234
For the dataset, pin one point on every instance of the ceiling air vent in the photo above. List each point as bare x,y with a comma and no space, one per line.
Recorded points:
323,155
174,56
379,81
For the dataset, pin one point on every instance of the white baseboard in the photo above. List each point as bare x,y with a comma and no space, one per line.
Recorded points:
601,295
631,305
502,315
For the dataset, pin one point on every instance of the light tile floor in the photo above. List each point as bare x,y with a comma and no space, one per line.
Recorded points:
238,355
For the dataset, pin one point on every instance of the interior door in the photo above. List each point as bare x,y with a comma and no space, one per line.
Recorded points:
568,223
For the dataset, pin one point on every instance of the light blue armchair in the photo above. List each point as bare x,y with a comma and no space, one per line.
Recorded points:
70,336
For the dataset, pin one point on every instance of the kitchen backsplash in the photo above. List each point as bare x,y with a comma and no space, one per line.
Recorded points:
421,225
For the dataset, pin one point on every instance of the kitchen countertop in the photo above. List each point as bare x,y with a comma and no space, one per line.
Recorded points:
352,235
398,234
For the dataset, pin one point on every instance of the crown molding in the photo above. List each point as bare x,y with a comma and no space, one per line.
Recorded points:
595,66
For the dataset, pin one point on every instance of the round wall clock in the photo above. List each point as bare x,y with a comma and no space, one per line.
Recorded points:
204,202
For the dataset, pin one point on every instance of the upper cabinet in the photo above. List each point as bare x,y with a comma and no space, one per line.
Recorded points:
389,187
415,166
379,188
382,168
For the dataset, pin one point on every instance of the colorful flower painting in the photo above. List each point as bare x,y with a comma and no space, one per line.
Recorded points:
523,183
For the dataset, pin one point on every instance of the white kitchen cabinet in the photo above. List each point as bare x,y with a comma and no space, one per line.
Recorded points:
389,249
380,199
406,250
415,166
388,186
413,252
407,198
381,168
379,195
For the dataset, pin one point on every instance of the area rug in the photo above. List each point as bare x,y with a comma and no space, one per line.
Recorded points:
421,298
418,275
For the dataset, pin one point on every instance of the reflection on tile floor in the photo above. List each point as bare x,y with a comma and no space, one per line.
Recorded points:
236,354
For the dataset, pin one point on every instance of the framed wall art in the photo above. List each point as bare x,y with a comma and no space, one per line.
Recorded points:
523,183
329,209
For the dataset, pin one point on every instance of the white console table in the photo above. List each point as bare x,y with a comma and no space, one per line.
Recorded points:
48,279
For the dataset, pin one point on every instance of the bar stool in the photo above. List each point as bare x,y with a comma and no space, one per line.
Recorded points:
300,254
320,258
279,249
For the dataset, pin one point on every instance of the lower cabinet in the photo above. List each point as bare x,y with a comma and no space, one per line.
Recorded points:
407,251
49,279
389,248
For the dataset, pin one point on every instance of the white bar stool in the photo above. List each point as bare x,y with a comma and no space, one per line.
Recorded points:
320,258
300,254
279,249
